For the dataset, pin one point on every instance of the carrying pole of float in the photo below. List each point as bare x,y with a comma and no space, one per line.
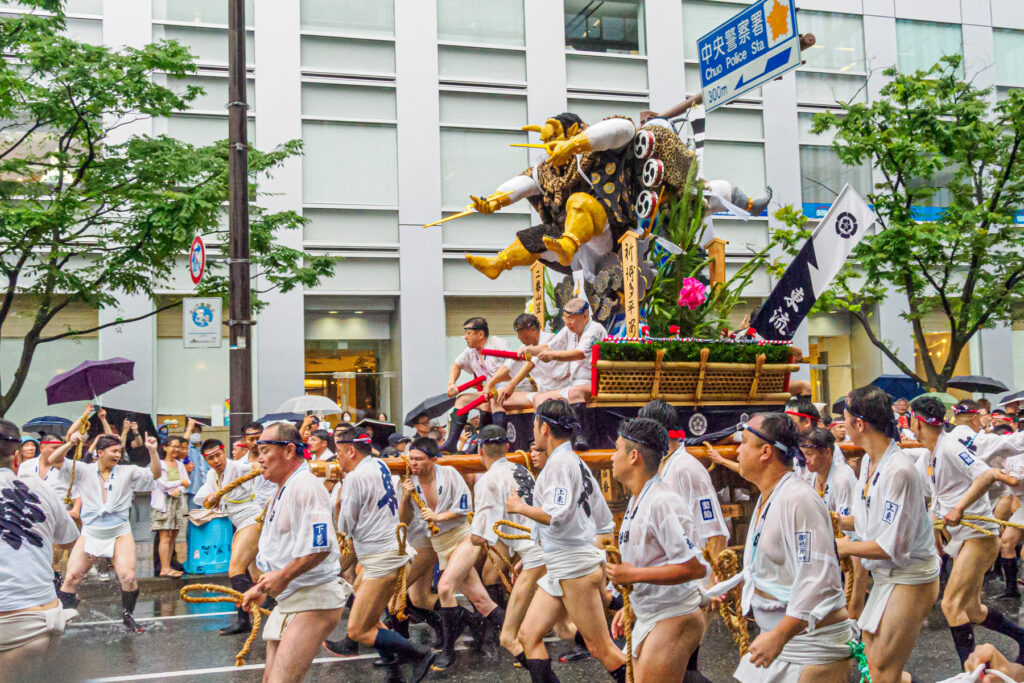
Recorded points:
240,307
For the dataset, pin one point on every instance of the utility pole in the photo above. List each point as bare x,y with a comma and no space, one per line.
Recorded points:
240,308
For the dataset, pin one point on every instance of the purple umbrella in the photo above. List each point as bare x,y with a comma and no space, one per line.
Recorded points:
89,380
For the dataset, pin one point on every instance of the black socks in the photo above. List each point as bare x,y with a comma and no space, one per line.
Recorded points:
619,675
67,600
540,671
963,640
996,621
1008,565
497,593
128,600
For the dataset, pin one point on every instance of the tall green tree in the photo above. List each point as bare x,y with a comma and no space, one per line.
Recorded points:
930,132
85,219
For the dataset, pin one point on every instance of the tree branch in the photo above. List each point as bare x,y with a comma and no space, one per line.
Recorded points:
862,318
120,321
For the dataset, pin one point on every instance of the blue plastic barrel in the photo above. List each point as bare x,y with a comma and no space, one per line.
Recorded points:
209,547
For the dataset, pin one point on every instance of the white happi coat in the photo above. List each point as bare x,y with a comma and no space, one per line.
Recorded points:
452,496
890,509
55,477
240,503
37,520
567,491
368,508
993,450
567,340
685,475
653,535
491,490
549,375
791,555
952,468
475,363
120,488
840,486
297,524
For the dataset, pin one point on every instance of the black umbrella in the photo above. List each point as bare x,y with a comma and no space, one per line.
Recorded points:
381,431
435,406
982,385
1010,398
281,417
51,424
839,406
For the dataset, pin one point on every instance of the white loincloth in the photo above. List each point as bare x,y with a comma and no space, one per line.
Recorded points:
100,542
445,543
645,623
569,564
532,557
326,596
824,645
379,565
925,571
201,516
23,627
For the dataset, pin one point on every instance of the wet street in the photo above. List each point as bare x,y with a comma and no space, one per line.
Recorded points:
181,643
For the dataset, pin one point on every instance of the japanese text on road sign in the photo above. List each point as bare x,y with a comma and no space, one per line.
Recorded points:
758,44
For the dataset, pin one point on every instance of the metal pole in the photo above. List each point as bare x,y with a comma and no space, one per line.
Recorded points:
239,324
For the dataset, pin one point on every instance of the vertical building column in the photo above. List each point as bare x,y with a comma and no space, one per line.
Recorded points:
127,23
545,59
279,338
781,158
421,268
880,53
665,54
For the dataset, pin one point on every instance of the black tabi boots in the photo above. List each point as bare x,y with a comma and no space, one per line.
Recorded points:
579,442
455,426
1008,565
128,600
243,620
497,593
420,615
451,622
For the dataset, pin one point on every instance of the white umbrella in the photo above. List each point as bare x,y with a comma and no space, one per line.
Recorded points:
310,404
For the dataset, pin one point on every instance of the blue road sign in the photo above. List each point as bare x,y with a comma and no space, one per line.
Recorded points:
755,46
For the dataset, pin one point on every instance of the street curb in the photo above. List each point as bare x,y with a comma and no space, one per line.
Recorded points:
147,584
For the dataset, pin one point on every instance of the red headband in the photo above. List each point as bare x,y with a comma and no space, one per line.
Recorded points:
957,410
677,434
933,421
50,443
809,417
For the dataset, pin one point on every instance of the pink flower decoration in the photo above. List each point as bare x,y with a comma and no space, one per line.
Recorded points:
673,329
692,294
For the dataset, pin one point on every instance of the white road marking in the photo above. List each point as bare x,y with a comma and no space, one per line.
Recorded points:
107,622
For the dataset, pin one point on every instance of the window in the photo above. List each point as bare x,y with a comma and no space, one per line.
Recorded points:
822,174
197,11
209,45
198,130
492,22
349,163
615,26
476,131
835,70
371,18
1009,51
594,110
920,44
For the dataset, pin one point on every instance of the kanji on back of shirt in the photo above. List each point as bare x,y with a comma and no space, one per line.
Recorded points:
32,519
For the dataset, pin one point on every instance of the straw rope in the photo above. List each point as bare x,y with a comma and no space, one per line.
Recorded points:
614,557
232,596
224,490
942,525
725,566
83,429
417,498
507,581
513,525
396,605
846,563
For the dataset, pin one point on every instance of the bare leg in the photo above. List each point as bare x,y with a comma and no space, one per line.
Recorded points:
19,663
164,549
420,577
78,564
582,598
124,562
523,591
888,648
243,549
294,653
836,672
461,572
371,599
666,650
961,603
543,613
860,585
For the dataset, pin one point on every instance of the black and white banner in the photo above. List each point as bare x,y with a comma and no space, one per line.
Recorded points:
813,269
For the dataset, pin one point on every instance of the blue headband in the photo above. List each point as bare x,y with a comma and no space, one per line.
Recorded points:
789,453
